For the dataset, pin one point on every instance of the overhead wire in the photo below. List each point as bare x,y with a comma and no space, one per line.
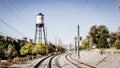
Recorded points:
21,13
79,7
15,13
29,19
84,5
19,17
95,9
26,10
25,7
11,27
104,8
10,8
115,4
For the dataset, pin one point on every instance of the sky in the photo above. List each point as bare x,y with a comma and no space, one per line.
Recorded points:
61,17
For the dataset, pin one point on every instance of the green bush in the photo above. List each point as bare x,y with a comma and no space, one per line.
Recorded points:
85,44
117,44
102,43
26,49
51,49
39,48
11,51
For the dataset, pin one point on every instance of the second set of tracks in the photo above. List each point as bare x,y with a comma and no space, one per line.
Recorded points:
76,62
47,62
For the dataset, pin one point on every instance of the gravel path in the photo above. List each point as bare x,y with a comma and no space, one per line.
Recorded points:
112,61
64,63
94,58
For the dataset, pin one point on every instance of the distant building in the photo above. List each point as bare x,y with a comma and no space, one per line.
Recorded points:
25,38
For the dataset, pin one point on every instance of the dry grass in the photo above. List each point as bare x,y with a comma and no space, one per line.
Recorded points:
106,51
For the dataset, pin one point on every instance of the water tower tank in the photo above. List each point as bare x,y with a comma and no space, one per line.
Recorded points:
40,18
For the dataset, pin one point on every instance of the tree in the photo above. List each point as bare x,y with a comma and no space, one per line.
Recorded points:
102,43
117,44
2,50
85,43
99,34
39,48
7,47
118,33
93,33
26,49
112,39
11,51
51,48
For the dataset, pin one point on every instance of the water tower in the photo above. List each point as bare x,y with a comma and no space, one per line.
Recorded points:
40,29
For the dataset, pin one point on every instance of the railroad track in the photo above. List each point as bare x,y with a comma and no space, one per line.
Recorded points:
75,62
48,64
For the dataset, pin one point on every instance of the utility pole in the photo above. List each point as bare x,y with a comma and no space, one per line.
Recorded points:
56,41
75,45
70,46
78,45
59,41
59,45
78,41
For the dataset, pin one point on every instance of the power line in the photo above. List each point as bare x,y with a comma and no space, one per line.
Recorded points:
107,6
99,4
23,8
92,11
12,11
11,27
78,9
84,5
9,8
5,3
19,11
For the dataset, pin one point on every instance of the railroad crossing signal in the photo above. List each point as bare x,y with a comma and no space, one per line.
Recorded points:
78,38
